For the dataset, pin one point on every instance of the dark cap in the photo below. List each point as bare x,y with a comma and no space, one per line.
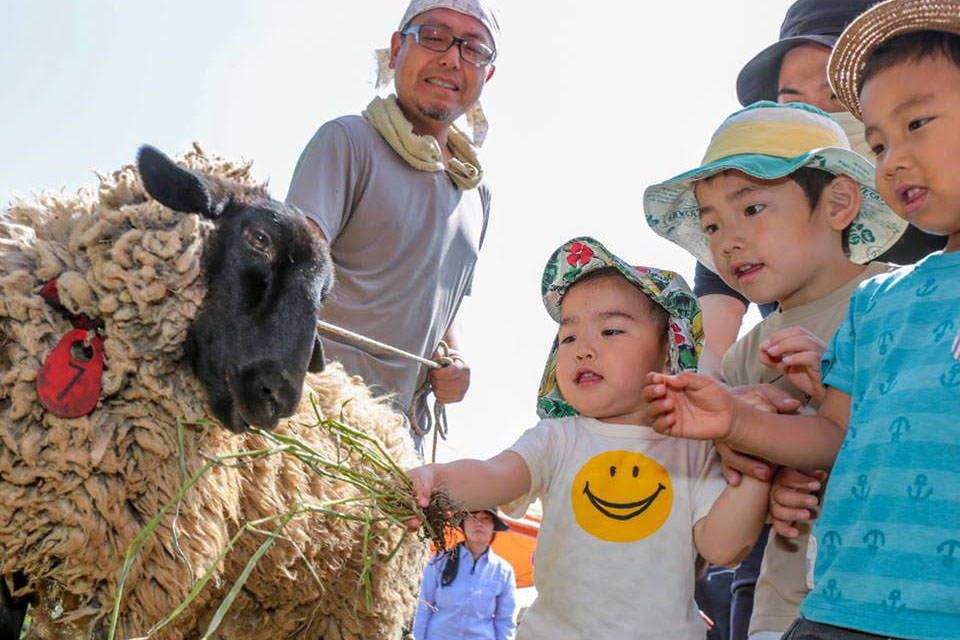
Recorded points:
498,523
807,21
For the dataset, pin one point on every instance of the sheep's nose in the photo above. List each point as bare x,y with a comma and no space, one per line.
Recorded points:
268,395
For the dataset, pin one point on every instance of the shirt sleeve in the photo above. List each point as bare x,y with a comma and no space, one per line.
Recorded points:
427,593
837,363
539,447
503,622
708,485
323,181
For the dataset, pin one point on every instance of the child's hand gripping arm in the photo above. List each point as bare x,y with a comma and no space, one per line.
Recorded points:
698,407
795,352
478,484
793,498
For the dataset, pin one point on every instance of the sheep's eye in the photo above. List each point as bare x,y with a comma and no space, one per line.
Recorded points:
258,240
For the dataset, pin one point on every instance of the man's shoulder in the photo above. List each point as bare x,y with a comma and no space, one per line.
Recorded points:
352,126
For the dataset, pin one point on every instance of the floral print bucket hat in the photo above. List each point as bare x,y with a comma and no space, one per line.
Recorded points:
580,256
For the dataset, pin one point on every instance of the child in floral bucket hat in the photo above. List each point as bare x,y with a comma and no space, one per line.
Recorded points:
582,256
625,510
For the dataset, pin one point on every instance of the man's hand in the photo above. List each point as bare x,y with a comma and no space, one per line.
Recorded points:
763,397
450,383
792,498
688,405
796,353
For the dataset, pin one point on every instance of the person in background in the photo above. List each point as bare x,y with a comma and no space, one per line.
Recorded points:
467,592
398,193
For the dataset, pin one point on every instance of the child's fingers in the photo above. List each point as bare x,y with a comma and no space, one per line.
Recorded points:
653,392
794,344
413,524
663,406
664,424
797,480
743,464
809,359
785,528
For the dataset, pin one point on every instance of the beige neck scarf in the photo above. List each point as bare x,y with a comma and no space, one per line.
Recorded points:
423,152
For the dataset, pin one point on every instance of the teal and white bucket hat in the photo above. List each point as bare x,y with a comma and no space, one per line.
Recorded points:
576,258
768,141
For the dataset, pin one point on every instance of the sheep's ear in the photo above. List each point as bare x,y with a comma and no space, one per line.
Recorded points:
316,358
175,187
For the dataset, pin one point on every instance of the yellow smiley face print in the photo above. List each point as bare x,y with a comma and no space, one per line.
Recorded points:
621,496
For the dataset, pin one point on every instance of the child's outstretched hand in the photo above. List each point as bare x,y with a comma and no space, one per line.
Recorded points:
423,483
688,405
792,498
796,353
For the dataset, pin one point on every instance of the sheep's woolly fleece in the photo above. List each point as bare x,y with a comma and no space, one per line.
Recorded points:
74,492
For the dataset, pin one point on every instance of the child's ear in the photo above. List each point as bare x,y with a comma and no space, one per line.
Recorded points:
841,200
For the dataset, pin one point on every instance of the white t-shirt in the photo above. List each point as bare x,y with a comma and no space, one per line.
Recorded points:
615,553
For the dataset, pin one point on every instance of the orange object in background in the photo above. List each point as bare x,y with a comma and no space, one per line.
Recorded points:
517,545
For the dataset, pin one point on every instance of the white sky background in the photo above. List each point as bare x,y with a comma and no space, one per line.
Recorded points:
591,102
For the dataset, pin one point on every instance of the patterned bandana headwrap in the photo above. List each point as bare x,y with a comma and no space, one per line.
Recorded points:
478,9
578,257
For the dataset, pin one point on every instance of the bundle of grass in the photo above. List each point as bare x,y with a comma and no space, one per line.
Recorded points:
78,494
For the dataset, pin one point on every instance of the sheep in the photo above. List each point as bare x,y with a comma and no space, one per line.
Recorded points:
74,491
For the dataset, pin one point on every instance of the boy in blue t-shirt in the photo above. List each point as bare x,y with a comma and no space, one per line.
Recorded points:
886,558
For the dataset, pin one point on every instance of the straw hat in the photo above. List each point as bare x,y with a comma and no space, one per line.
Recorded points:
883,22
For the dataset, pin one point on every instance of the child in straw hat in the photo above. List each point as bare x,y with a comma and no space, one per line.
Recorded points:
883,552
625,510
786,212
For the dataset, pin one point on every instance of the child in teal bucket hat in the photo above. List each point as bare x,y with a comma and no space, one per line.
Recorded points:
625,510
784,211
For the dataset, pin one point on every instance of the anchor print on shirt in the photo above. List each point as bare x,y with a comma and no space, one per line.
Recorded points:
851,436
887,385
942,330
892,603
831,541
927,288
897,428
951,378
884,341
919,490
832,592
861,490
946,551
874,539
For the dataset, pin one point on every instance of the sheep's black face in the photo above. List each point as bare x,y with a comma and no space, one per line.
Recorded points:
267,273
254,337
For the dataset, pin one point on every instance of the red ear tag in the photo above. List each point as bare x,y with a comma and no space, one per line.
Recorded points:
69,380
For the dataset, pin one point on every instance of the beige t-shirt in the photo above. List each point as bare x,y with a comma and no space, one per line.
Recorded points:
781,586
615,551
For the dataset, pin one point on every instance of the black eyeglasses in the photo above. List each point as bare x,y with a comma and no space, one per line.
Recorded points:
440,39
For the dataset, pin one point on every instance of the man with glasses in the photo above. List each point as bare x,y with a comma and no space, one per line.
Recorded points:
398,194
